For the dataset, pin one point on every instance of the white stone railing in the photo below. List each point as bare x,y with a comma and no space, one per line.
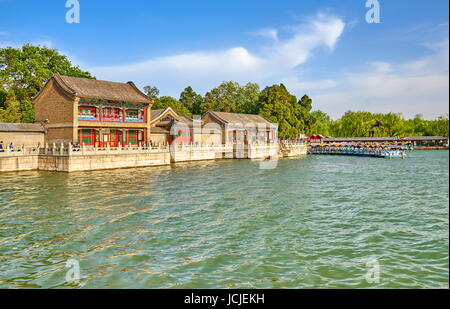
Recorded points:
70,150
19,151
292,144
198,147
64,149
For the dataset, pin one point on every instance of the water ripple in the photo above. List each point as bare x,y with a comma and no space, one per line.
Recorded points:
312,222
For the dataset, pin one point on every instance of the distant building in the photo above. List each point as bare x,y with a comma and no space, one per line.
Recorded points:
231,128
167,126
21,134
93,112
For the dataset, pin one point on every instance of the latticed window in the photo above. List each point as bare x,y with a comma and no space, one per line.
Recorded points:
132,137
133,113
87,110
87,136
112,112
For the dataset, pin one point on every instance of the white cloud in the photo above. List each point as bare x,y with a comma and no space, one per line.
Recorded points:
15,44
295,84
205,69
420,86
269,33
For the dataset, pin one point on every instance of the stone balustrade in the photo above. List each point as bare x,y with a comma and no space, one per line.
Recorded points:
66,157
19,151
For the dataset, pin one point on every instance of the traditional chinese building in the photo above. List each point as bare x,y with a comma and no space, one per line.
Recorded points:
167,126
231,128
93,112
21,134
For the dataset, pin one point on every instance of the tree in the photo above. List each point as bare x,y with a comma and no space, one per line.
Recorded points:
439,127
393,124
25,70
321,123
278,105
151,91
249,98
191,100
3,95
177,106
233,98
302,112
11,111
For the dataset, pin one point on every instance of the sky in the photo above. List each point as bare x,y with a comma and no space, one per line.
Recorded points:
325,49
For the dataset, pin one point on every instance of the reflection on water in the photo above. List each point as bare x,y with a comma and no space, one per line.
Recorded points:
312,222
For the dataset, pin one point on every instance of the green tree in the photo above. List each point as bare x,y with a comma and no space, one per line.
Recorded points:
3,95
439,126
321,123
393,125
177,106
233,98
25,70
191,100
278,105
352,124
303,114
151,91
249,98
11,111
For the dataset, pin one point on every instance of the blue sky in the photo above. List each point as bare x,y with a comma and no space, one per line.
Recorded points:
322,48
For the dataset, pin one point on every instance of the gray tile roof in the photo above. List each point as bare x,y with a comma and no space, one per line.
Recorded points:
21,127
100,89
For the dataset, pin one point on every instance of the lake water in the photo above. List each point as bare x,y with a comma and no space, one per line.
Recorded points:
313,222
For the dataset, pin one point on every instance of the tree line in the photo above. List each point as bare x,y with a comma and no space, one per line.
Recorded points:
274,102
366,124
294,116
24,71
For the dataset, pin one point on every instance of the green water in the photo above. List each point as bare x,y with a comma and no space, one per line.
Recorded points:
312,222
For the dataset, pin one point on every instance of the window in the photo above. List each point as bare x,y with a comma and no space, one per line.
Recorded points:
132,137
112,113
87,111
132,113
87,136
